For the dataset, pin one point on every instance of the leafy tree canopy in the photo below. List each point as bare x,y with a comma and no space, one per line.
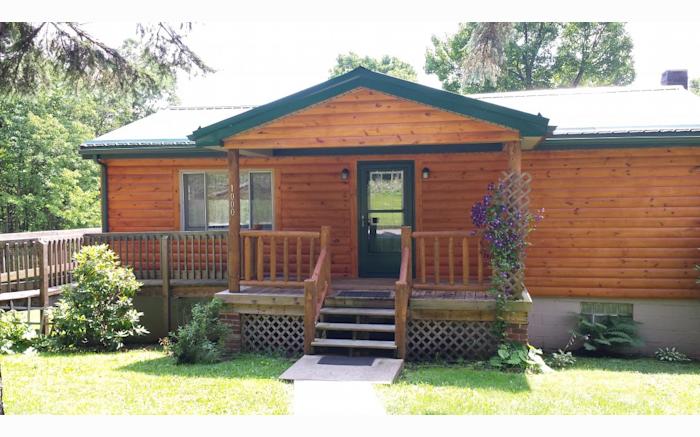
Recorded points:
33,53
390,65
535,55
44,183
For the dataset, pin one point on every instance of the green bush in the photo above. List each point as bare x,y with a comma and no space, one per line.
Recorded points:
606,335
98,312
202,339
15,335
514,356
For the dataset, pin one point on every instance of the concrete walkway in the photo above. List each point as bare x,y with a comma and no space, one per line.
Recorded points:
334,398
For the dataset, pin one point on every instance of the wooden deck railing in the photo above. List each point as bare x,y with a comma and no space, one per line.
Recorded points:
269,258
187,255
316,288
402,294
36,269
278,258
445,260
27,264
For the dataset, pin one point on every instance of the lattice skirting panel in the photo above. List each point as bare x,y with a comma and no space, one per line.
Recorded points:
273,334
449,340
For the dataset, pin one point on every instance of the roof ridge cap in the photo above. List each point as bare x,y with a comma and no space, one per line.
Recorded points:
575,91
206,107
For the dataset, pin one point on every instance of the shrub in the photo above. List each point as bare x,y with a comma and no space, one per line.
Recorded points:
98,312
607,334
15,335
202,339
671,355
513,356
561,360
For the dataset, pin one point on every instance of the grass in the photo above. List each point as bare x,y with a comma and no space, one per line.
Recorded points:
592,386
145,381
142,381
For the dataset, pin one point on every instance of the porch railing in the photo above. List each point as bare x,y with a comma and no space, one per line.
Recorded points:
35,269
402,292
269,258
26,263
444,260
279,258
316,288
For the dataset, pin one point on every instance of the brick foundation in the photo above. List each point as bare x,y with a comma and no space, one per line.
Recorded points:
233,320
517,332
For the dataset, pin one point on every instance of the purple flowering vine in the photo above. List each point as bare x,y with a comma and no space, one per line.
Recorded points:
505,230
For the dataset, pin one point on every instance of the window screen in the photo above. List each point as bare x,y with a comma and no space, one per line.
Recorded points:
205,200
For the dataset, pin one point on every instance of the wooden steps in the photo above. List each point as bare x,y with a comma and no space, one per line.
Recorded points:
366,344
371,312
367,327
357,328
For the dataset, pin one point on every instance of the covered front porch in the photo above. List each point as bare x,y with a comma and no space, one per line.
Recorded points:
367,244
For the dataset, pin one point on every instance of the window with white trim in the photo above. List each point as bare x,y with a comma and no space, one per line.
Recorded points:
601,310
205,199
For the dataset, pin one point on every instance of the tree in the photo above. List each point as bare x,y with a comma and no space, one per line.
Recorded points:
390,65
486,52
45,184
536,55
31,52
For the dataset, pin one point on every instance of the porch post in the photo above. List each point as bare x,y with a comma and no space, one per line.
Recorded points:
514,153
234,222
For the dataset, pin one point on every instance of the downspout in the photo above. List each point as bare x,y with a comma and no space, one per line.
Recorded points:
103,193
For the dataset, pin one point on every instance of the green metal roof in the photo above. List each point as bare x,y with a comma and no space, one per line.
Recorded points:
527,124
614,117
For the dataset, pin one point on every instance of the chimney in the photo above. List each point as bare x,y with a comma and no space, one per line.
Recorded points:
675,77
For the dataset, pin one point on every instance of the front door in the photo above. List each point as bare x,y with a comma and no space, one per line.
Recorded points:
385,196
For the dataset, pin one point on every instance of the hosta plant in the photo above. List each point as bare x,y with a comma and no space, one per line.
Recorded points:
671,355
607,334
513,356
561,359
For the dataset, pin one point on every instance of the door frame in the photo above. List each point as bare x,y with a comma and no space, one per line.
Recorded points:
364,167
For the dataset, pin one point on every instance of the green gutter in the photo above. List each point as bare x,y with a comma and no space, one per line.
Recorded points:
620,141
106,152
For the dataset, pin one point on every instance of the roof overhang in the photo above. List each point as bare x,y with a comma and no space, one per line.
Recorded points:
148,150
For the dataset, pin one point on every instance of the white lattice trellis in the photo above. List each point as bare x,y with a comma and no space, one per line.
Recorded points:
449,340
273,334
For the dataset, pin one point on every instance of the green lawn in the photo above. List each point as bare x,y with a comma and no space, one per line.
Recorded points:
142,381
145,381
593,386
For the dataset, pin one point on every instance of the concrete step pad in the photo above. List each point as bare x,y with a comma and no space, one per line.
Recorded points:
338,368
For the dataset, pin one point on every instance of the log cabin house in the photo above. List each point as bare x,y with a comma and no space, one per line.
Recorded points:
349,204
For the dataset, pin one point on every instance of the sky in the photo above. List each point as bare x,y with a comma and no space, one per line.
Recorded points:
263,57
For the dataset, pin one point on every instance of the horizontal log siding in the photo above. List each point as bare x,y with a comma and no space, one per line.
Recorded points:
444,201
618,223
364,117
